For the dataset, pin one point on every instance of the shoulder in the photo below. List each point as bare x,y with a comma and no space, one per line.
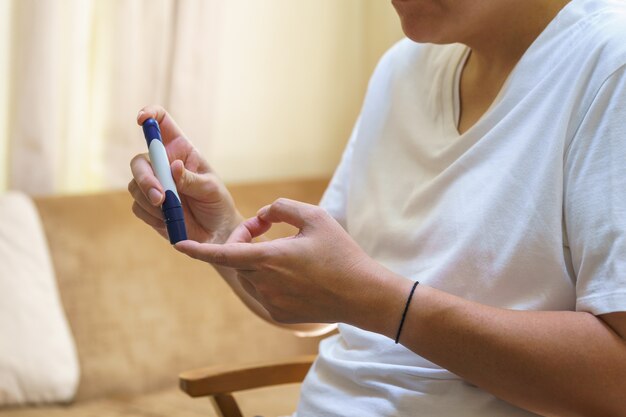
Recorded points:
600,53
581,51
599,62
601,39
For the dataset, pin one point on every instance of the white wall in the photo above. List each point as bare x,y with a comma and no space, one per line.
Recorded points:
291,84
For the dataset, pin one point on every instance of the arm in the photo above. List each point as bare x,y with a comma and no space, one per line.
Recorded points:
551,363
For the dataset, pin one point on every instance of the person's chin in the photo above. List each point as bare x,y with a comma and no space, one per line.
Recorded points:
416,33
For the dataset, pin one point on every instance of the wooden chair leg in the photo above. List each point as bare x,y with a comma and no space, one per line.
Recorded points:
225,405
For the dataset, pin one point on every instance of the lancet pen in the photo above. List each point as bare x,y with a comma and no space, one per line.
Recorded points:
172,208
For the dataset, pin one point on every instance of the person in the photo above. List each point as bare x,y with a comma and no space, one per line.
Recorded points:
488,165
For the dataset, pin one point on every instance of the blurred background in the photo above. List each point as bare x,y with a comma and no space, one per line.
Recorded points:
266,89
95,308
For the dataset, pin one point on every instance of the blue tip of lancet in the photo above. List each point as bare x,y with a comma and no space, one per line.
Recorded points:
151,130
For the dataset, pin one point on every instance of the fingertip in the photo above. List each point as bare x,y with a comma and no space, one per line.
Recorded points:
155,111
183,245
144,114
263,212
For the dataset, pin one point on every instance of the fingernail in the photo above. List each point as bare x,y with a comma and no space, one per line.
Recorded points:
154,195
262,211
139,114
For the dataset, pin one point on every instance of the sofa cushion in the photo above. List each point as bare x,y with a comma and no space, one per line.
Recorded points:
266,402
38,361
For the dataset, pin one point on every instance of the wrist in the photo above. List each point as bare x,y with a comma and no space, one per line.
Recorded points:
381,304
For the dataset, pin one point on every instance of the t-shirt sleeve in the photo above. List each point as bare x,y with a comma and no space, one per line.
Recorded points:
335,198
595,200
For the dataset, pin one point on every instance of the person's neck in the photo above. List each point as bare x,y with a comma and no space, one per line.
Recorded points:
494,56
513,31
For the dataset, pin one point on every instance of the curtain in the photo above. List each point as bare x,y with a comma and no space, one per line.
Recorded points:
266,89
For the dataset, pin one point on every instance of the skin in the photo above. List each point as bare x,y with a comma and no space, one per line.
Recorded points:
553,363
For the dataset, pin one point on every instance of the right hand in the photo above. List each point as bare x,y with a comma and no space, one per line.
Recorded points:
209,209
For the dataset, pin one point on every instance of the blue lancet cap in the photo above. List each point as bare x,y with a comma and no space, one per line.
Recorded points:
151,130
173,216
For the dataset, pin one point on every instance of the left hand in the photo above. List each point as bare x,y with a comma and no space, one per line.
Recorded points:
319,275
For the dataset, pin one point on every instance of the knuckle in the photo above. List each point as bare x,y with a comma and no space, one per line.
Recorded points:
280,201
315,214
279,204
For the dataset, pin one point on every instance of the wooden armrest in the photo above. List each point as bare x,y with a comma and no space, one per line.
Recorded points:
216,380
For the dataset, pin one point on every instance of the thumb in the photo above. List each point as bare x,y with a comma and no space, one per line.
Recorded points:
293,212
187,182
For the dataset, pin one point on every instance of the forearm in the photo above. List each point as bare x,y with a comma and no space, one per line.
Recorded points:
551,363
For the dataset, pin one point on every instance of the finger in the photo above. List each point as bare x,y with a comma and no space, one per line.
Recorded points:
244,256
293,212
169,128
141,199
193,184
248,230
143,174
149,219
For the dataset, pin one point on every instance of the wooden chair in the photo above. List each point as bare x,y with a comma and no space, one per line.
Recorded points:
220,382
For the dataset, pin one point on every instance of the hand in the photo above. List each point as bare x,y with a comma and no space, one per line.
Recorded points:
210,213
319,275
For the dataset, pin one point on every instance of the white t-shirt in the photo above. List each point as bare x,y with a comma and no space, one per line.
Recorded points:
524,211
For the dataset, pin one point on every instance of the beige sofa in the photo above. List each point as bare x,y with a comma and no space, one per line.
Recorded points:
140,312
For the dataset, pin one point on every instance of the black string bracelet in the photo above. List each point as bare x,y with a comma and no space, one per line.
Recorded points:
406,308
